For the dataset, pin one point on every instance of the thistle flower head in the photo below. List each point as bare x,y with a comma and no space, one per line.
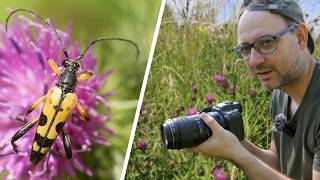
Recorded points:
25,76
232,89
192,111
194,88
219,174
221,81
142,107
178,110
253,93
142,145
210,98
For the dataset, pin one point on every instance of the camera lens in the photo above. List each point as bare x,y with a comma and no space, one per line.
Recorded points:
167,131
187,131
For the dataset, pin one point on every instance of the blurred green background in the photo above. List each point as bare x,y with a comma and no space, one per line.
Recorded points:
192,47
91,19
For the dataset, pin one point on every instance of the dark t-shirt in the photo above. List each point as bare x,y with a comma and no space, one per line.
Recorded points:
298,148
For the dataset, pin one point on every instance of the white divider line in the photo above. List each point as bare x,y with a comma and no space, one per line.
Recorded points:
144,84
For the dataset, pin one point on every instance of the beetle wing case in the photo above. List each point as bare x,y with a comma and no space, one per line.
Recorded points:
56,109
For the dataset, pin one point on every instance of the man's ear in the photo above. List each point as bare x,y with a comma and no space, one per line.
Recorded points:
302,32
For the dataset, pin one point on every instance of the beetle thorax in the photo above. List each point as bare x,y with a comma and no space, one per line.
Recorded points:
68,79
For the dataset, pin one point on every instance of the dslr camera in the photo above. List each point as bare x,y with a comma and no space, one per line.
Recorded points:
188,131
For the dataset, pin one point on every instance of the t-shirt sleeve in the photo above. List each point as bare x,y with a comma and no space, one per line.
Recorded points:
316,157
316,161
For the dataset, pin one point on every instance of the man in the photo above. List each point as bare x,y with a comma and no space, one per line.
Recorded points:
277,49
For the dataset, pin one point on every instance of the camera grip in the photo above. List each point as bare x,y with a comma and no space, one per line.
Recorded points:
236,126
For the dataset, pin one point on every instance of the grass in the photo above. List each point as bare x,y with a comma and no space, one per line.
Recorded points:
187,55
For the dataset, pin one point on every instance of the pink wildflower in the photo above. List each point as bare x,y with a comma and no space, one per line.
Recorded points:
193,98
142,145
192,111
210,98
221,81
253,93
194,88
24,77
232,89
219,174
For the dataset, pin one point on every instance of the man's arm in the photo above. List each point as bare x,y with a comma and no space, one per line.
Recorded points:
267,156
254,168
226,145
315,175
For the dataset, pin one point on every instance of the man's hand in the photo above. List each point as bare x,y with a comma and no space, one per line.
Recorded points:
226,145
222,143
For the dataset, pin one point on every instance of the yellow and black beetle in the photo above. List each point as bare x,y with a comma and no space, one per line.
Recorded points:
58,102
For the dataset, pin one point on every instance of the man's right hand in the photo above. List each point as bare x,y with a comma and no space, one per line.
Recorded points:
222,143
226,145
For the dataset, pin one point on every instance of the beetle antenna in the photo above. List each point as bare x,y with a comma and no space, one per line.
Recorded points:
45,21
109,39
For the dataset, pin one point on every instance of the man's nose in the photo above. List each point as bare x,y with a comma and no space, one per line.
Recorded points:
255,58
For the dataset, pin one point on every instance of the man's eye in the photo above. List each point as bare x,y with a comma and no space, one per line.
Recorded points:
245,49
267,42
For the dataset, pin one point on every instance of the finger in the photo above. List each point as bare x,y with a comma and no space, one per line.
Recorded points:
212,123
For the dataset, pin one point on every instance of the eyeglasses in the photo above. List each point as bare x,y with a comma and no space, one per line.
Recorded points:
264,44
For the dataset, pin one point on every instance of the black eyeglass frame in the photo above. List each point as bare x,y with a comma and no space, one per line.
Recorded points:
236,50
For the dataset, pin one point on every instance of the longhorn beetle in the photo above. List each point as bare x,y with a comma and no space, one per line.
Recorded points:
59,101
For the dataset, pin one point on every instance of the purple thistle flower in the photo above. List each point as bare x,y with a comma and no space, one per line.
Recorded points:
192,111
219,174
253,93
142,145
142,107
178,109
142,118
194,88
210,98
221,81
232,89
193,98
24,77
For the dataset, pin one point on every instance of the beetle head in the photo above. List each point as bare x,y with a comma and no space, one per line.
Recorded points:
70,64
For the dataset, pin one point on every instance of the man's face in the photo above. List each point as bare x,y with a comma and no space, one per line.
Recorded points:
276,69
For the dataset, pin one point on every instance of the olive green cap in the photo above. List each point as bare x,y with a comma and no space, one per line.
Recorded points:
287,8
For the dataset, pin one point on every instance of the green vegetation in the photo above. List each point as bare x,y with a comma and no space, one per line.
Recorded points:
186,56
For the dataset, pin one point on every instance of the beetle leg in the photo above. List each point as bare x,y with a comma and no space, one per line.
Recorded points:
84,76
19,118
57,153
54,67
6,154
22,132
35,105
61,155
66,144
83,113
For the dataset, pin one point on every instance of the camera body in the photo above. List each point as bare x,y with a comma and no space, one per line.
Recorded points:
188,131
